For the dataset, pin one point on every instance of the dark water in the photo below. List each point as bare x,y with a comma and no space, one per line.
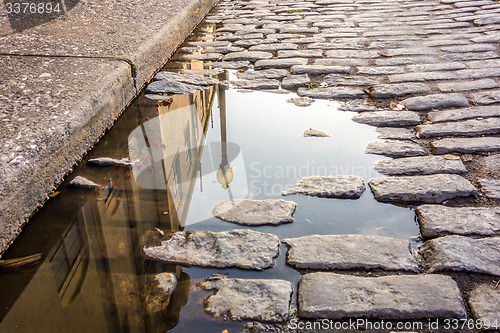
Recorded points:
92,274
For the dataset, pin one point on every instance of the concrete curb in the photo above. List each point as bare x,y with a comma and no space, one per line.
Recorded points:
24,187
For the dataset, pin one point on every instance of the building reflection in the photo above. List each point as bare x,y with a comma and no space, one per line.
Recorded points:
93,276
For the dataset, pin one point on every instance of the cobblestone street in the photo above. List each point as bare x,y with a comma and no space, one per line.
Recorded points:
426,74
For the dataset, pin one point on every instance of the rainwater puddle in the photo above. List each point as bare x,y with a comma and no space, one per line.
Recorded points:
92,272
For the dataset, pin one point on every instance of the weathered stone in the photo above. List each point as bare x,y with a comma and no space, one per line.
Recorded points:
171,87
80,181
294,81
255,212
264,74
247,55
484,301
381,70
487,97
300,54
395,148
246,249
420,165
398,90
312,132
330,187
422,76
469,56
319,69
356,107
280,63
339,80
396,133
428,189
274,47
257,84
388,118
108,161
204,56
466,145
301,101
436,221
209,72
493,162
468,85
248,299
333,92
225,49
362,54
350,252
437,101
232,64
471,127
465,113
157,291
336,296
459,253
491,188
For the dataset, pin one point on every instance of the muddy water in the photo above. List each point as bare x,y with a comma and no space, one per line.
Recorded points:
92,273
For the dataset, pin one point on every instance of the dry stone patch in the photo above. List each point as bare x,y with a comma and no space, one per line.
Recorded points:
256,212
330,187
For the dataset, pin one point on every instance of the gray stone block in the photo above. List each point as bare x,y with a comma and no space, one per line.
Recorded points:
395,148
420,165
388,118
466,145
437,101
330,187
255,212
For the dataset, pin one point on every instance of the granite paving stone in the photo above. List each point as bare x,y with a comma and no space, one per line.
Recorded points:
395,148
422,76
329,187
490,188
336,296
264,300
484,300
388,118
459,253
273,47
300,53
320,69
467,85
427,189
420,165
247,55
263,74
332,92
327,252
257,84
395,133
466,145
471,127
436,221
246,249
493,162
435,101
279,63
255,212
463,114
295,81
487,97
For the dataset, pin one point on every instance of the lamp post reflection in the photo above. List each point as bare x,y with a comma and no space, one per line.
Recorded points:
225,172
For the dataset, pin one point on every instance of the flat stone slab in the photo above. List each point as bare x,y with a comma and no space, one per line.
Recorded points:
330,187
463,114
436,101
398,89
246,249
420,165
396,133
428,189
491,188
108,161
350,252
295,81
279,63
459,253
247,55
487,97
437,220
257,84
471,127
171,87
248,299
484,301
82,182
493,162
395,148
388,118
319,69
263,74
335,296
312,132
195,80
255,212
332,92
301,101
466,145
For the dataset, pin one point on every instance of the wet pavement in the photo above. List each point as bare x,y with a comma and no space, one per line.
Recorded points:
422,76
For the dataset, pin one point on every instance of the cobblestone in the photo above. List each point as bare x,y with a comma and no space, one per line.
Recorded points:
328,252
493,162
486,97
319,69
468,85
466,145
396,133
436,101
295,81
395,148
334,93
436,221
427,189
388,118
484,301
255,212
420,165
471,127
459,253
398,90
330,187
335,296
490,188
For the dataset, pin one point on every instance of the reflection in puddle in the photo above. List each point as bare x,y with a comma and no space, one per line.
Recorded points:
187,157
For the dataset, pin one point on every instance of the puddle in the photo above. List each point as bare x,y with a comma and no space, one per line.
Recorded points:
188,157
